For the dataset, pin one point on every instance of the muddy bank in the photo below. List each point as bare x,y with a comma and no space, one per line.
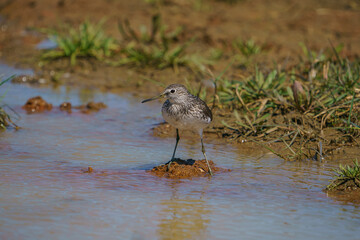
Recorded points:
246,145
179,169
346,179
345,191
348,186
87,108
37,105
186,169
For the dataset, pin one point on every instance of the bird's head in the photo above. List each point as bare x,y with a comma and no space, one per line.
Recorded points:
176,93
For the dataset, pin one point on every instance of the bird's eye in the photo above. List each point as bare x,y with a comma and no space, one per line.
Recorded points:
172,90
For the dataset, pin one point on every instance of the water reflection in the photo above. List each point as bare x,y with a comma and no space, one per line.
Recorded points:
183,217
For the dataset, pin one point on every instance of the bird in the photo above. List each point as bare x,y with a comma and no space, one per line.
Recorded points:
184,111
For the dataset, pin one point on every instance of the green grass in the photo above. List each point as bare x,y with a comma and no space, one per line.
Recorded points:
247,52
158,57
247,48
156,47
5,119
293,106
196,91
250,93
88,40
345,174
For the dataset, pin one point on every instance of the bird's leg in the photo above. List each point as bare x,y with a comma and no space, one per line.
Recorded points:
176,144
203,151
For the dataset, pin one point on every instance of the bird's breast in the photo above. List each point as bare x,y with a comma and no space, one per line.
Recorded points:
184,117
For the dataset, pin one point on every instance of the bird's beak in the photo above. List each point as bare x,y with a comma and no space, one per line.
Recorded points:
154,98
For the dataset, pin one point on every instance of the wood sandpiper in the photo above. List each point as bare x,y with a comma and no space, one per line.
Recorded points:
184,111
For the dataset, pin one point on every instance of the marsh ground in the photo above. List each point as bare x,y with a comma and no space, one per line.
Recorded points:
277,26
283,30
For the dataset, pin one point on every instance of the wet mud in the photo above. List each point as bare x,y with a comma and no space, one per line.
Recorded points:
27,79
91,107
180,169
88,170
352,185
66,106
331,148
86,108
345,197
37,105
163,130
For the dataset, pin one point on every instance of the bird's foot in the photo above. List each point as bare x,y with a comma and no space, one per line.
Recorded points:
169,163
164,164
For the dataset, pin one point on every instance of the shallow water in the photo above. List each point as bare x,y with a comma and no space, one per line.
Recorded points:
45,194
47,43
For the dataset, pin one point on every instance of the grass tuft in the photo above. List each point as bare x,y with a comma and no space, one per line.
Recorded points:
348,176
156,47
247,48
87,41
5,119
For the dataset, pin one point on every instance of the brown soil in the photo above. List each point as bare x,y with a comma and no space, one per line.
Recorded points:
66,106
346,196
277,26
91,107
186,169
331,150
27,79
37,105
88,170
348,186
345,191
